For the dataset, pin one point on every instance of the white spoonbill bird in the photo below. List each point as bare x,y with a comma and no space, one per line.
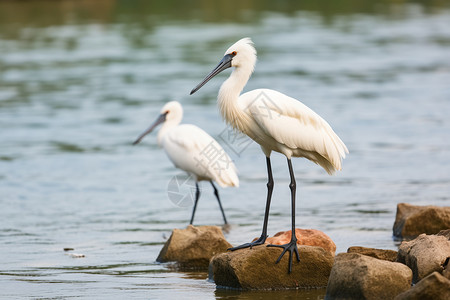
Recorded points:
277,123
193,150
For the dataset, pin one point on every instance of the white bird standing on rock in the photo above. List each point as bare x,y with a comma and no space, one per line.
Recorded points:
277,123
193,150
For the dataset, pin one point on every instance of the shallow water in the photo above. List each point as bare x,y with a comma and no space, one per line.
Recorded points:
80,80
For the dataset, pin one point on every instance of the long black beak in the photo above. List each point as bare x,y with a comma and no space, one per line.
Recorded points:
225,63
161,119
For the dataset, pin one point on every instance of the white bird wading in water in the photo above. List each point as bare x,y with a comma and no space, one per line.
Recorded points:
185,146
277,123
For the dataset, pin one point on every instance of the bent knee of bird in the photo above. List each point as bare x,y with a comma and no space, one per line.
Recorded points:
292,185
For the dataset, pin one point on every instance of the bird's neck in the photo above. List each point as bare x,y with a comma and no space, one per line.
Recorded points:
167,126
228,97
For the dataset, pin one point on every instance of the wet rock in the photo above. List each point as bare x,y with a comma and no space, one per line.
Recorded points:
383,254
434,286
309,237
193,247
255,268
412,220
425,255
356,276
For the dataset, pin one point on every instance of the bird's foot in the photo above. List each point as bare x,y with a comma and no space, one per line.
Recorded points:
291,247
258,242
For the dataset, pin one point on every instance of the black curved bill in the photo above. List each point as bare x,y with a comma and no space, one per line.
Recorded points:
225,63
161,119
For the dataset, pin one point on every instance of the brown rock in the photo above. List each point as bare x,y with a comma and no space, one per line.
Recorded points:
389,255
356,276
412,220
424,255
255,268
446,266
433,287
445,233
309,237
193,247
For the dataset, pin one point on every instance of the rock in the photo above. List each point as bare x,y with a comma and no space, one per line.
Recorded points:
412,220
424,255
193,247
446,266
434,286
255,268
309,237
356,276
445,233
389,255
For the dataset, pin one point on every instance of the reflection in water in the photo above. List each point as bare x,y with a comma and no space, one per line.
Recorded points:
313,294
16,15
79,80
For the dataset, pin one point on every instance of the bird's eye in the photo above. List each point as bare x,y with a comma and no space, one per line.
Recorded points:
234,53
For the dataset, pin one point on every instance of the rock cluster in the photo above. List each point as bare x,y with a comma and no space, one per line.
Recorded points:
193,247
361,273
426,259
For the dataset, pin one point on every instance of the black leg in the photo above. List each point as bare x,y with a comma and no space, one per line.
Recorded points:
197,195
292,245
263,236
218,200
269,199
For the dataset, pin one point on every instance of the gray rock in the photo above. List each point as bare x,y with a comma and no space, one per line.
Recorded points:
412,220
357,276
424,255
433,287
255,268
193,247
389,255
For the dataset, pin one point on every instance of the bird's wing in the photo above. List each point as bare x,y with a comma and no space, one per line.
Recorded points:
293,124
195,151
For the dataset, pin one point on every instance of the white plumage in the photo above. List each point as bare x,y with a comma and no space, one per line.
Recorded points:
184,145
193,150
277,123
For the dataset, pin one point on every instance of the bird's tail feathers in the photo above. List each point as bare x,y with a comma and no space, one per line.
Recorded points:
334,152
226,178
